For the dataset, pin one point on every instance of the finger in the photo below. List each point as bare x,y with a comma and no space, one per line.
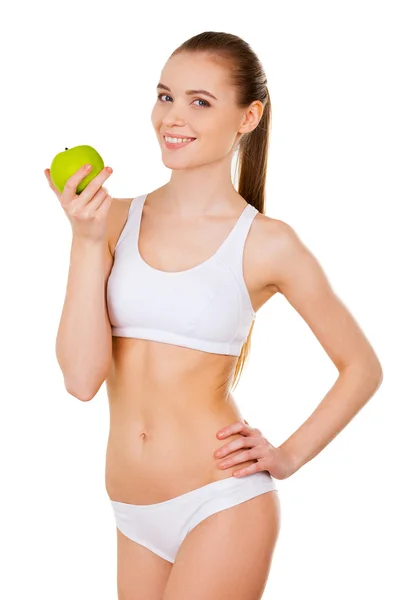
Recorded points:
69,191
50,181
235,428
89,210
238,458
103,208
242,442
232,446
255,468
98,200
255,449
94,185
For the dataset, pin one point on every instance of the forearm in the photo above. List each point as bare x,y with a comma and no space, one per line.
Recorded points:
353,388
83,345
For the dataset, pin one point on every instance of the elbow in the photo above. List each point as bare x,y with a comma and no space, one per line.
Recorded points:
380,375
375,368
375,373
370,370
84,394
85,391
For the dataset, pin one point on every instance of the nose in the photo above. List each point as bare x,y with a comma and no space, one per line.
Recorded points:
174,116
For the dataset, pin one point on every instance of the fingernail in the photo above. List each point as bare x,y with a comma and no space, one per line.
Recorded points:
109,169
87,167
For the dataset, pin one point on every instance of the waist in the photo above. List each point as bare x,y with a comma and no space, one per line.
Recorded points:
166,404
144,424
166,454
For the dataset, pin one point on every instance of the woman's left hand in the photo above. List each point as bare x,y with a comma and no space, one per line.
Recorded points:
274,460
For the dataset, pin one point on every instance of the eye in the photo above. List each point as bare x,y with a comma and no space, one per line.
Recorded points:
196,100
201,100
160,95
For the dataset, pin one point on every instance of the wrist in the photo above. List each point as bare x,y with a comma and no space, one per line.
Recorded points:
290,458
80,240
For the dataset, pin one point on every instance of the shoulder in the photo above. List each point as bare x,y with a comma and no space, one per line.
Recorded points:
289,263
274,242
273,231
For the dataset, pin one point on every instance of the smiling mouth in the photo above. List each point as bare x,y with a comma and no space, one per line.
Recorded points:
189,139
177,145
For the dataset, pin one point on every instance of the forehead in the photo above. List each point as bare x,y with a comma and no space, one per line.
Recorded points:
194,71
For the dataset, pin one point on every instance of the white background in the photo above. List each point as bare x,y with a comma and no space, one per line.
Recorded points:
86,73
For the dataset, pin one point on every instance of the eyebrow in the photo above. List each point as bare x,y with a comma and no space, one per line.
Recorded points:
188,92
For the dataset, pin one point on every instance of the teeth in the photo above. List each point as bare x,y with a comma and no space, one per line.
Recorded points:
177,140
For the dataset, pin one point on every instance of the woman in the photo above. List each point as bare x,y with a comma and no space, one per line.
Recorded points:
167,324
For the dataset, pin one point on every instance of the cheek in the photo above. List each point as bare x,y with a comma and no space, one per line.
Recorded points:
154,116
211,130
221,126
158,114
220,135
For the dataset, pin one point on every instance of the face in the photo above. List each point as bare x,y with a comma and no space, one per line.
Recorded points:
214,122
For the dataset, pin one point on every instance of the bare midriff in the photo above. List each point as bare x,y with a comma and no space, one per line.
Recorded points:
167,404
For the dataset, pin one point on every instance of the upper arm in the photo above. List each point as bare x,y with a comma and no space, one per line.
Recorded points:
108,260
117,216
114,226
300,278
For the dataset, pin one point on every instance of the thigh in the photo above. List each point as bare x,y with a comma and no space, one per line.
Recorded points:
228,555
141,574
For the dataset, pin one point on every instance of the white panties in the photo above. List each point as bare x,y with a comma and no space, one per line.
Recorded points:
162,527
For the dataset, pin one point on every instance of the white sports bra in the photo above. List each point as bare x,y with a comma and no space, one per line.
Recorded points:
206,307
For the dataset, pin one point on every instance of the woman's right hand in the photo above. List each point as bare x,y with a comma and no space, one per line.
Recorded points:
88,211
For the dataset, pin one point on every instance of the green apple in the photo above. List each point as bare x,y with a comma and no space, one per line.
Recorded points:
66,163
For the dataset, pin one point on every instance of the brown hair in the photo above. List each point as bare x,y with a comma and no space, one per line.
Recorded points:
249,82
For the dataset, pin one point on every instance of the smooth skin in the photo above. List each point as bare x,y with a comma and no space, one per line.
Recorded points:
141,574
226,556
229,554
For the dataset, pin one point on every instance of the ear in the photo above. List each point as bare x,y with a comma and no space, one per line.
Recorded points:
252,116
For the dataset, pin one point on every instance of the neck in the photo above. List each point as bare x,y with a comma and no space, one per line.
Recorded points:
205,189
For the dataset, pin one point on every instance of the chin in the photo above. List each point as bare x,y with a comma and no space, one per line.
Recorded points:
175,166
